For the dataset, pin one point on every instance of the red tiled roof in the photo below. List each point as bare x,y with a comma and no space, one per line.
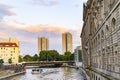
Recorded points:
8,45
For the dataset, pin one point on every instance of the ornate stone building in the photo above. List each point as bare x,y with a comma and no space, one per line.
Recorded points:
101,39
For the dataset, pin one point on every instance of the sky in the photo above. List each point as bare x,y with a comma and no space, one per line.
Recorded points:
27,20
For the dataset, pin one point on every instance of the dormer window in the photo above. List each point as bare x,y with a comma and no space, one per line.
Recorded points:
13,45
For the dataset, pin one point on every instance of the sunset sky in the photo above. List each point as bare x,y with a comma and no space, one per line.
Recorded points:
28,19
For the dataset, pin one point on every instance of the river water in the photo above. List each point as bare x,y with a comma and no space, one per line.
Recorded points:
62,74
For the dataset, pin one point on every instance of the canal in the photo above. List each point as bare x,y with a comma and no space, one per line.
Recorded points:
61,74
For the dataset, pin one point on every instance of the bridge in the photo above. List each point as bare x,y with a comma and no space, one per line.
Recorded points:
48,63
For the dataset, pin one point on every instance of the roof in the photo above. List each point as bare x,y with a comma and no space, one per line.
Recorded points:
8,45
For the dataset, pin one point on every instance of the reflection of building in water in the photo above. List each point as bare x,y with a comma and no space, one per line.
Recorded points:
101,39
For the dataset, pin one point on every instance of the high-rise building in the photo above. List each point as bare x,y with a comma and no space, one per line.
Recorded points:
66,42
43,44
9,49
101,39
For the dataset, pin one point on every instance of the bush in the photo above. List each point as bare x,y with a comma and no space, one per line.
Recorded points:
1,61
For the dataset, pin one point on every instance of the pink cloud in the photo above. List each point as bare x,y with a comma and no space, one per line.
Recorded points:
29,34
5,10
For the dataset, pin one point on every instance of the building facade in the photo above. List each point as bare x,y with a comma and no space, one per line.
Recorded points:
76,53
67,42
9,49
77,56
101,39
43,44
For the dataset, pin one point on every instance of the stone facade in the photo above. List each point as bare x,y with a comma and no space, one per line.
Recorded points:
101,39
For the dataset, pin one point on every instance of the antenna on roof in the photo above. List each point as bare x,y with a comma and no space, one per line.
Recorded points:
9,39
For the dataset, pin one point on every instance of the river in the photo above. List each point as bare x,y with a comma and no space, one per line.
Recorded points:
62,74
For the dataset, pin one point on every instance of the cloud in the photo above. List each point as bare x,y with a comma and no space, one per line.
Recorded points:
33,31
5,10
27,35
45,2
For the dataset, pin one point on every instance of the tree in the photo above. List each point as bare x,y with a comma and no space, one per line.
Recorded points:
27,58
20,59
61,58
43,56
72,57
1,61
50,55
35,57
10,60
67,56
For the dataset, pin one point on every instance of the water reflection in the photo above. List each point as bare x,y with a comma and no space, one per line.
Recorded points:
62,74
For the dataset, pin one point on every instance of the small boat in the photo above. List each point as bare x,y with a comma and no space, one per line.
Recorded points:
36,71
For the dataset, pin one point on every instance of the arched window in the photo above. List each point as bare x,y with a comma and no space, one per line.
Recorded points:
107,29
98,38
113,23
102,34
96,41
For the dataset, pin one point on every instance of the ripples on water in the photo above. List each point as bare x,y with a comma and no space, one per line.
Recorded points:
62,74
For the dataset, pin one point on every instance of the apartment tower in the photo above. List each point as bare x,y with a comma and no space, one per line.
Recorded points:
43,44
66,42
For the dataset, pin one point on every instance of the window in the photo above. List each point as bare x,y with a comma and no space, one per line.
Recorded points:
102,34
96,77
113,22
98,38
107,29
99,79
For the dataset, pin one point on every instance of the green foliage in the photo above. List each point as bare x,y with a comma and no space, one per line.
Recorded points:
20,59
1,61
35,57
67,56
72,57
50,55
61,58
53,55
27,58
10,60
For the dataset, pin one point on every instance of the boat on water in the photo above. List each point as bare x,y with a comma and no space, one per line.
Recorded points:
36,71
40,71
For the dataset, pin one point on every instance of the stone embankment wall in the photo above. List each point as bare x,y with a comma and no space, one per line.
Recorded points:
12,69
